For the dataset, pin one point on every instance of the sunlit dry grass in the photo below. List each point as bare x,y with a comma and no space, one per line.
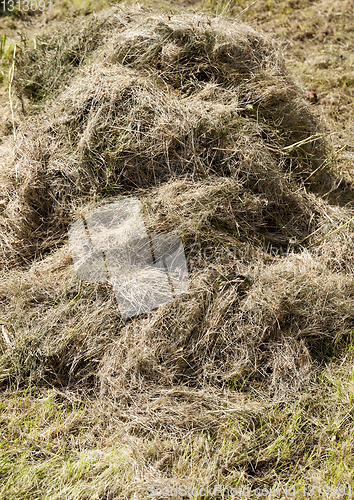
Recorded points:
246,380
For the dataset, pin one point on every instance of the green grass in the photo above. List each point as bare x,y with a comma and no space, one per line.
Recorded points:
54,448
48,450
6,56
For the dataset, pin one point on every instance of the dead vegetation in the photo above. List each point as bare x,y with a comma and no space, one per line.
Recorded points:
129,120
199,118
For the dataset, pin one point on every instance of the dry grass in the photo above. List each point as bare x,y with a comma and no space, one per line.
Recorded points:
200,119
128,121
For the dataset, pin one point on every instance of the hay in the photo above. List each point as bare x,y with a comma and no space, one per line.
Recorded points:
128,120
199,118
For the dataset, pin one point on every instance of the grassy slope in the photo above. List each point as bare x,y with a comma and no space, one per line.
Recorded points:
64,445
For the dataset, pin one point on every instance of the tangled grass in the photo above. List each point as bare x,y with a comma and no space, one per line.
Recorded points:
199,118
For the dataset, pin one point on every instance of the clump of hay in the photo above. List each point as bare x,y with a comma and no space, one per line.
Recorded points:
199,118
128,120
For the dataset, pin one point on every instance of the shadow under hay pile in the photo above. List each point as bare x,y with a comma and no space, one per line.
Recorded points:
198,118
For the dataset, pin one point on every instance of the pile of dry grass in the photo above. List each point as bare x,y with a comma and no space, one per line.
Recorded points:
131,117
200,119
